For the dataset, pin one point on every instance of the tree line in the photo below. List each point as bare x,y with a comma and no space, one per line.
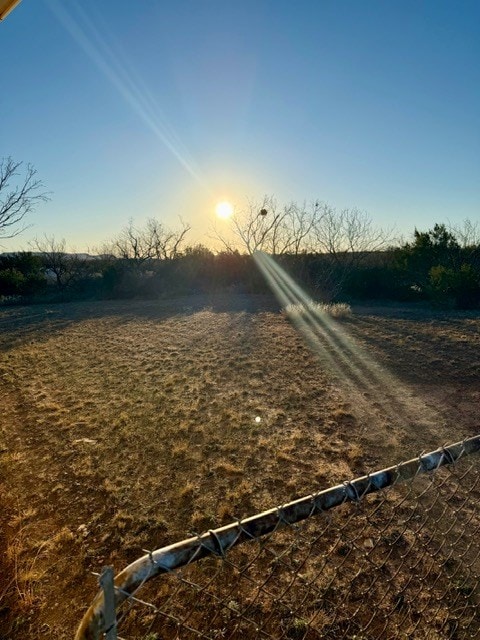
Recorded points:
440,265
337,254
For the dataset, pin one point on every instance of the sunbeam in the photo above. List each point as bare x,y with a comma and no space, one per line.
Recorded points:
120,73
369,383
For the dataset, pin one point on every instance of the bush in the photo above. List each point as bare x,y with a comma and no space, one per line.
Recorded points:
380,283
21,274
462,286
11,282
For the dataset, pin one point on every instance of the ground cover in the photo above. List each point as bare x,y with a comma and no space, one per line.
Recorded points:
126,425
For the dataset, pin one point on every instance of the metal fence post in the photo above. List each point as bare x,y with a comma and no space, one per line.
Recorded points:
110,616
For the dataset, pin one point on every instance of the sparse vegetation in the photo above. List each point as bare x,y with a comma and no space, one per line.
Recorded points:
124,427
337,255
335,310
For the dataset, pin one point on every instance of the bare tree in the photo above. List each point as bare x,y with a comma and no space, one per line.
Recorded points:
343,239
265,226
467,233
301,221
65,267
18,196
131,244
152,242
165,243
344,236
347,234
257,227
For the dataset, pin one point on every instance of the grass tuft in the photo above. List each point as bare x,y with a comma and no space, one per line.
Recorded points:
335,310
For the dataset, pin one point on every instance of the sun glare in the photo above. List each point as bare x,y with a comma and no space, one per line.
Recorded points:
224,210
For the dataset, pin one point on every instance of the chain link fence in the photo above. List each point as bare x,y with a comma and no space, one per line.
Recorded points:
391,555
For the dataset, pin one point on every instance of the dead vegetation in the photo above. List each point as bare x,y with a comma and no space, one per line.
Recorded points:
124,426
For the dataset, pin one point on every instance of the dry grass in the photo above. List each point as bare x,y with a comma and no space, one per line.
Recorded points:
336,310
126,425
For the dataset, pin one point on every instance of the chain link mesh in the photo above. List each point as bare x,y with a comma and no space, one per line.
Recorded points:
400,563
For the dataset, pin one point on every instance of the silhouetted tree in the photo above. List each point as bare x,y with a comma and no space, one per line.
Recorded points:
266,226
467,233
440,269
67,268
154,241
433,248
347,234
18,196
343,240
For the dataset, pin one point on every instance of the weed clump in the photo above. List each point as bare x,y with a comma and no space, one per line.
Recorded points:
335,310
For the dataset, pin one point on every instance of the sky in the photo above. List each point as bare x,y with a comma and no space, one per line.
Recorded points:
162,108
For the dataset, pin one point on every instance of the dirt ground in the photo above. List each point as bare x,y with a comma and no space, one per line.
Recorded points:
126,425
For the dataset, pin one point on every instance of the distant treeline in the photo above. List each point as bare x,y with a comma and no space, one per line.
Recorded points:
437,265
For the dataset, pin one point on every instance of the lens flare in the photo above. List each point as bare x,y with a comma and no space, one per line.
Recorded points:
342,356
108,57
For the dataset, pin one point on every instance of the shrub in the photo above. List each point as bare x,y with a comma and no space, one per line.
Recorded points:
460,285
335,310
11,282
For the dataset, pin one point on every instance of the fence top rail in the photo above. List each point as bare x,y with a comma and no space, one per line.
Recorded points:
219,541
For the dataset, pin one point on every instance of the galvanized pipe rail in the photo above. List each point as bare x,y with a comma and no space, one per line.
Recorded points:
219,541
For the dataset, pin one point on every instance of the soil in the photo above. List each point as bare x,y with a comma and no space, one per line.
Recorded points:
125,425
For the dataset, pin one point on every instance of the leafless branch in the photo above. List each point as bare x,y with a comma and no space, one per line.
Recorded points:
66,267
18,196
346,234
267,227
152,242
467,233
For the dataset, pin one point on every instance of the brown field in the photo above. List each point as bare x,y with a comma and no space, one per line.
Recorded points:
126,425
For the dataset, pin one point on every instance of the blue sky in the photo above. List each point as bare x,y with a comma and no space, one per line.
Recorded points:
165,109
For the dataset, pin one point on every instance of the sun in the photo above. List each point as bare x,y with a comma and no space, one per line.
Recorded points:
224,210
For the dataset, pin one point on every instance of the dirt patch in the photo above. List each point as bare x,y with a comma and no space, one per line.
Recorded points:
125,426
